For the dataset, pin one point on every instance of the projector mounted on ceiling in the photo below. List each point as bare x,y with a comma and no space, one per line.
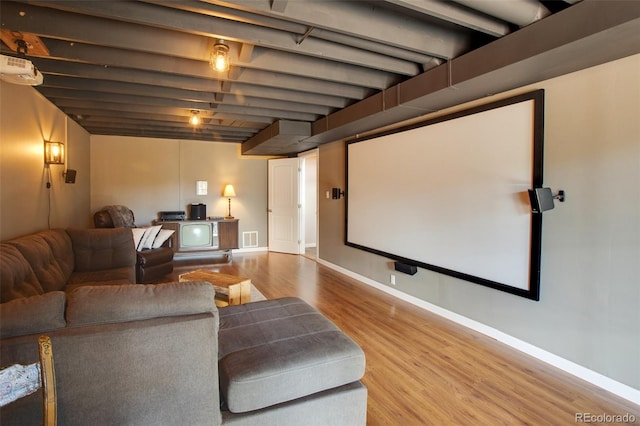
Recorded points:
19,71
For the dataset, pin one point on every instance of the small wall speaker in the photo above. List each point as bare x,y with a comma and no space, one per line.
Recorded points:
70,176
541,199
405,268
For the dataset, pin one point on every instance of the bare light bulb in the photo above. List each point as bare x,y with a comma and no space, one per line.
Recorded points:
220,56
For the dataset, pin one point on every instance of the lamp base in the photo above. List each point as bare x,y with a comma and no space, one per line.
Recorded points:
229,217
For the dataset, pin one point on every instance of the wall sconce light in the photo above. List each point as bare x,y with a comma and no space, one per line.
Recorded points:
336,193
195,117
53,152
229,192
542,199
220,56
201,187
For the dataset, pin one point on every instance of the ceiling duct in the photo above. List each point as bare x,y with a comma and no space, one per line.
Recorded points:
283,137
519,12
507,63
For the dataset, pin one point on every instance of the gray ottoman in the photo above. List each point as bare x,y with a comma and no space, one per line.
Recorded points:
275,351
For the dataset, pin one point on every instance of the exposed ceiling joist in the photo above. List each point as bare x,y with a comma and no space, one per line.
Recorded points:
339,68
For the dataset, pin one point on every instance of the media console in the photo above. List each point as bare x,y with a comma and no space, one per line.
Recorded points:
202,238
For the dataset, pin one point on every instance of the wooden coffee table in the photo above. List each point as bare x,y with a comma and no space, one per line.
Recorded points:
230,289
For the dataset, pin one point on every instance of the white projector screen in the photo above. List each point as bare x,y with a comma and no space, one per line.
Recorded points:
450,194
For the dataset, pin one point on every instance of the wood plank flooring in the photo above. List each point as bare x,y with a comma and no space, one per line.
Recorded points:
423,369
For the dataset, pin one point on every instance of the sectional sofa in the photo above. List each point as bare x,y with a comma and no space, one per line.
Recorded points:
164,354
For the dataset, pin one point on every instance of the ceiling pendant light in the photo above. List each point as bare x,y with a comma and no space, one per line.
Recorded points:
220,56
195,118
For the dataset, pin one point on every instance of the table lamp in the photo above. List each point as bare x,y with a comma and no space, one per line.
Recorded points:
229,192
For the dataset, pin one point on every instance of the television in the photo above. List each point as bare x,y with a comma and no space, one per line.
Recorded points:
198,236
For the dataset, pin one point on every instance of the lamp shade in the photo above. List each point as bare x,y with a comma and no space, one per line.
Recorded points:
229,191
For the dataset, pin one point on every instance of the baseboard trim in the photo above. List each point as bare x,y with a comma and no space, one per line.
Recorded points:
593,377
214,253
249,250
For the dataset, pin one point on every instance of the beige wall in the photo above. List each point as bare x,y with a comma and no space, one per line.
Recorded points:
152,175
310,198
26,205
588,312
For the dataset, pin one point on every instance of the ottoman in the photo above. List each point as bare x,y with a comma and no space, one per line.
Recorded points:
279,350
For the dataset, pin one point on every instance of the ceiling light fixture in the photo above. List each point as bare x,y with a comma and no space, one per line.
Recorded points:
195,117
220,56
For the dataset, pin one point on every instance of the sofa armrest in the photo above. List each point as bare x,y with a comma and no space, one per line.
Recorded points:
160,371
155,372
155,256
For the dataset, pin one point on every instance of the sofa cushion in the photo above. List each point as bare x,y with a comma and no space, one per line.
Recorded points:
30,315
50,255
90,305
101,249
17,279
104,277
279,350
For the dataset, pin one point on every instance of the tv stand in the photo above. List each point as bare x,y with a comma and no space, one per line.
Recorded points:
227,236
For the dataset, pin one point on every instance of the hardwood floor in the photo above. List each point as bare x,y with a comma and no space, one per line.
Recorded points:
421,368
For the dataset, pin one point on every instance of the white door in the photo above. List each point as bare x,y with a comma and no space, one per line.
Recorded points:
284,206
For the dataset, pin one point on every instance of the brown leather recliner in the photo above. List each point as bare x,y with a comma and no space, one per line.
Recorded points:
152,264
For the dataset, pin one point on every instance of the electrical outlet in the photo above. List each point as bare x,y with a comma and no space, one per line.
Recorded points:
393,279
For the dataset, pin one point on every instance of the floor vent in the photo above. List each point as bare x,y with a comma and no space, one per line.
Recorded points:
250,239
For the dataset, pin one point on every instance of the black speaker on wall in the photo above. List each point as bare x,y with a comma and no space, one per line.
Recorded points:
541,199
70,176
405,268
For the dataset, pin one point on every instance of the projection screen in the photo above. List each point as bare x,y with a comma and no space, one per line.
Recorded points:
450,194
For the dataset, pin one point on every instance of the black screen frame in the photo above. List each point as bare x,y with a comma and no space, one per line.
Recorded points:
533,292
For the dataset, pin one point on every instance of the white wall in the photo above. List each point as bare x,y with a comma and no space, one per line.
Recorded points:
590,282
27,119
151,175
310,199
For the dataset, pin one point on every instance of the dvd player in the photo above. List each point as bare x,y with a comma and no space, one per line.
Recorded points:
173,215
